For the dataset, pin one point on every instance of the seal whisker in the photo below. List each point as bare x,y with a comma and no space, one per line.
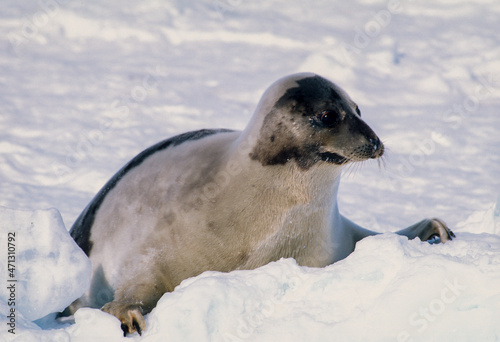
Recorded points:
381,163
352,168
382,159
347,169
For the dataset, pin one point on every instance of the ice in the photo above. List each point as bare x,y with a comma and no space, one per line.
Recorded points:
47,270
484,221
87,86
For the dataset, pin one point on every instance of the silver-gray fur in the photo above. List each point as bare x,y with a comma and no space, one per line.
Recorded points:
225,200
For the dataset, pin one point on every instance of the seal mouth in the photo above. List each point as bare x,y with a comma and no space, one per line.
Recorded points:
373,150
334,158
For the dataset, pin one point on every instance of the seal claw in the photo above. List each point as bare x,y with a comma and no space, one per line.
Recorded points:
130,316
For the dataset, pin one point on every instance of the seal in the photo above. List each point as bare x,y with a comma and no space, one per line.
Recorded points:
226,200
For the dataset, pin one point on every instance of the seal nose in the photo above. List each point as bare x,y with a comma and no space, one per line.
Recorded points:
377,146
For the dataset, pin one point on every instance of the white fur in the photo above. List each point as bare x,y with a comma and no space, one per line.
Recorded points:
207,204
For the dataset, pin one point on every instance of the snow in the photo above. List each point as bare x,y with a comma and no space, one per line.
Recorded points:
376,288
87,85
46,270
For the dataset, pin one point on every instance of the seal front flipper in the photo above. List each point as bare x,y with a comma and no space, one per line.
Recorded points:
429,230
131,302
130,316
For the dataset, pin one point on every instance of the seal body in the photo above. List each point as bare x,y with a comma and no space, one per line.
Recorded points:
224,200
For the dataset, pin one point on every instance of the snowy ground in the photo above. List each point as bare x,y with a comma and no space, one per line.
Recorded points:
86,86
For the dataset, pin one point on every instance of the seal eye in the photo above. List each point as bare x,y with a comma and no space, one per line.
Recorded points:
328,118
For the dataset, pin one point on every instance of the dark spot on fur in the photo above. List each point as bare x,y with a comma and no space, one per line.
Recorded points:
242,257
333,158
211,225
284,155
285,147
170,218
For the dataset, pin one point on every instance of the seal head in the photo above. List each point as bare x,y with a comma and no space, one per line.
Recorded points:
313,120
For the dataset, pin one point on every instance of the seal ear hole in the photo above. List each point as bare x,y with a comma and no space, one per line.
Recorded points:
328,118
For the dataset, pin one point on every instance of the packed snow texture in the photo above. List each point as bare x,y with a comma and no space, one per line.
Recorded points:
46,269
86,85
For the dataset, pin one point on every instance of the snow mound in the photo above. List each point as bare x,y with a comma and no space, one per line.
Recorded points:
44,270
404,290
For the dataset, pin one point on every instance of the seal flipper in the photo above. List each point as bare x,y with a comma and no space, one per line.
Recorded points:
132,300
130,316
429,230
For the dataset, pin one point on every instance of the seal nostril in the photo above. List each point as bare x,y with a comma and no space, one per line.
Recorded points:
377,147
375,144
